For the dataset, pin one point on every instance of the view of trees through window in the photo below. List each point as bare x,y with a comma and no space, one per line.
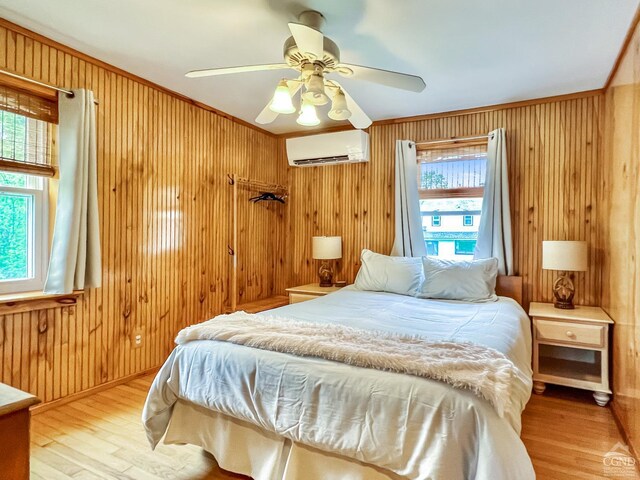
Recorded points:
16,201
14,235
450,184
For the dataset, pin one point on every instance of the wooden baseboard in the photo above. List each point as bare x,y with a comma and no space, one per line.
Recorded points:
623,432
43,407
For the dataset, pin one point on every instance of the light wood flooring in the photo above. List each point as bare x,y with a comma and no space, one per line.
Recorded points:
101,437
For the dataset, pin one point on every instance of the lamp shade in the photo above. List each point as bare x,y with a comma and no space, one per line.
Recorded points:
315,91
281,101
327,248
308,116
566,256
339,110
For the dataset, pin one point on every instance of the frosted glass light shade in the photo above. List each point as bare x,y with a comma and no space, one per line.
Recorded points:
281,102
308,116
315,91
339,110
566,256
327,248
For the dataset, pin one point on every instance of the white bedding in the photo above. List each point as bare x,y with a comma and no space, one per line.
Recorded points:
415,427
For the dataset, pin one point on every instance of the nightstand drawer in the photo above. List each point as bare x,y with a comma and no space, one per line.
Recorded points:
570,333
300,297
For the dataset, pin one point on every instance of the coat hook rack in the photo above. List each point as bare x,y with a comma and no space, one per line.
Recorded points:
279,192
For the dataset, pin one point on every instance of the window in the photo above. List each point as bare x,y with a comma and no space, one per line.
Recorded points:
451,185
24,230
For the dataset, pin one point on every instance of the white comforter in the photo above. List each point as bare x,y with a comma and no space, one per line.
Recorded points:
415,427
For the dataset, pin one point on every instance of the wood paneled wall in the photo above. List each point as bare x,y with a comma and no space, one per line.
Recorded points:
553,151
620,233
165,223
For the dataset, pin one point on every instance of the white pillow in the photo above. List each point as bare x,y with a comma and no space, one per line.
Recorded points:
471,281
381,273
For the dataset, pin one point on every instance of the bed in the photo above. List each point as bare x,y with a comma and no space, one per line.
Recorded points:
276,416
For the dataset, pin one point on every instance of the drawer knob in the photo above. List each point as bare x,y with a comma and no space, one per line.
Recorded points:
570,334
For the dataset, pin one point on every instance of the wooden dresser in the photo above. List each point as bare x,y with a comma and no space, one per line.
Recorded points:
14,432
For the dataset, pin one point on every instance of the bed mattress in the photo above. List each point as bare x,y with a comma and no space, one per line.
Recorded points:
416,428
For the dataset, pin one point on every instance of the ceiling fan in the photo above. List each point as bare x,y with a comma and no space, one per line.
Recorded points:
315,56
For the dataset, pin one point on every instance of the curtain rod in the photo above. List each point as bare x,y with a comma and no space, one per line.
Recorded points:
35,82
459,139
45,85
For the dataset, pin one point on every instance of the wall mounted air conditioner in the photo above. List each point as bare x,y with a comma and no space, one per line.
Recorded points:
350,146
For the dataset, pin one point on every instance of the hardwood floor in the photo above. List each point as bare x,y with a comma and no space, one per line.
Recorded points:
101,437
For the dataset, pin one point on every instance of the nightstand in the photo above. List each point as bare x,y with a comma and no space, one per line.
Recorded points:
571,348
309,292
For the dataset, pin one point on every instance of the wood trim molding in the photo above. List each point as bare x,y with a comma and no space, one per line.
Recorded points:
446,143
490,108
30,301
453,113
32,88
43,407
623,49
71,51
305,133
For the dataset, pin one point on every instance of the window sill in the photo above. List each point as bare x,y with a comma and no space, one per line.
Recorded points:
30,301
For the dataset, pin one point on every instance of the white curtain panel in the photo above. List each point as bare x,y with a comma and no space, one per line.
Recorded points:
75,253
409,240
494,231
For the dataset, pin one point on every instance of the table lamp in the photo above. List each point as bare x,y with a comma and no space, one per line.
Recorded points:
564,256
325,249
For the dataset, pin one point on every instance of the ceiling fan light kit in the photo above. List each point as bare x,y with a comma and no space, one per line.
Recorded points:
339,110
308,116
315,56
315,90
281,102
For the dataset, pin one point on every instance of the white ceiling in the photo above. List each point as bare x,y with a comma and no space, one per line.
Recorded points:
470,53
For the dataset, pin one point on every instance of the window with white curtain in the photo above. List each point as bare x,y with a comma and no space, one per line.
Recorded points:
450,185
25,164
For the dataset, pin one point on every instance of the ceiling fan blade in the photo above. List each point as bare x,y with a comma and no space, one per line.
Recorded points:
403,81
308,40
358,118
267,115
227,70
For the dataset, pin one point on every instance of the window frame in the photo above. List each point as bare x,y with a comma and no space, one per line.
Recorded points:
38,240
451,193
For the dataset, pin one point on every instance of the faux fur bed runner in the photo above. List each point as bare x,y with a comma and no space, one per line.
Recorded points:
485,371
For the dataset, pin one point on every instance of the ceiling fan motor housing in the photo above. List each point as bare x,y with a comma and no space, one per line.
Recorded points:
296,59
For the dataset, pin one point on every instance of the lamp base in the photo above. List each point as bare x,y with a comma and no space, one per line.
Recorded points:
563,292
325,273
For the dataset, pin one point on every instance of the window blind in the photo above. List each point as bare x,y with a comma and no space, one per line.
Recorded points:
26,127
452,172
28,105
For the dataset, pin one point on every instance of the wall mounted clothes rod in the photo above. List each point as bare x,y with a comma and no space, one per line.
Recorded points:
453,140
36,82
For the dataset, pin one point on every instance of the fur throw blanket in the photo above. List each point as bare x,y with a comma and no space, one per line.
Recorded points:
483,370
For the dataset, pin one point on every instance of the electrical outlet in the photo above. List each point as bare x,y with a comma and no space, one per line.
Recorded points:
137,337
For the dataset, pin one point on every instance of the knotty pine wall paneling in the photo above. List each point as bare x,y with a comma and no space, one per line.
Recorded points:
553,149
620,233
165,219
